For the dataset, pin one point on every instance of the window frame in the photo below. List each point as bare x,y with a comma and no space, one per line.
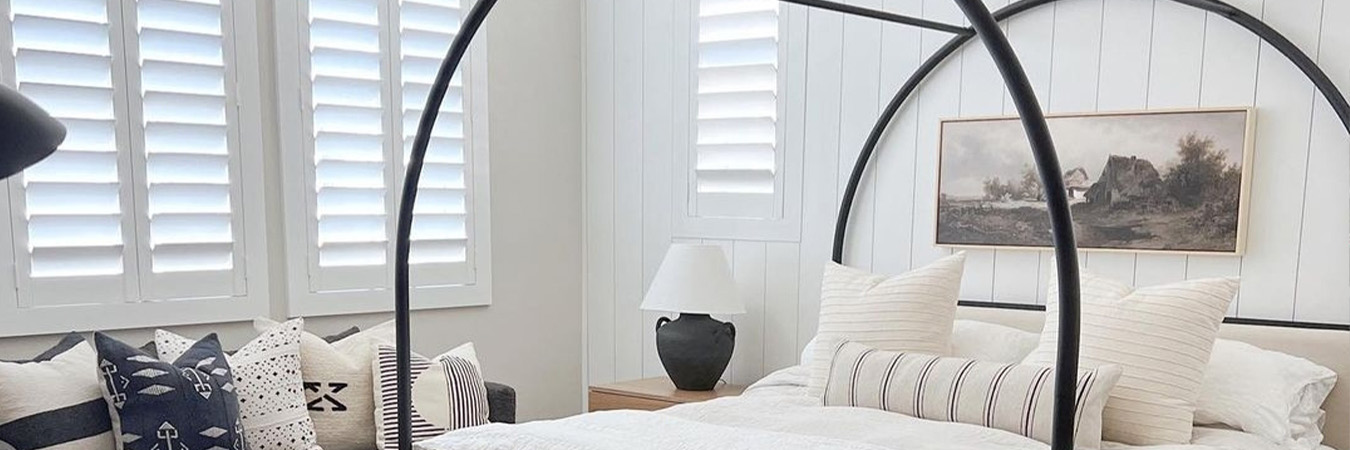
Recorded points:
785,225
143,308
297,150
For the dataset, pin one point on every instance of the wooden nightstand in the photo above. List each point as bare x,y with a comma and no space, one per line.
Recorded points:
651,394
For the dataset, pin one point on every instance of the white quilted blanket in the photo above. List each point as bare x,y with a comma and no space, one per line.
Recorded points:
772,415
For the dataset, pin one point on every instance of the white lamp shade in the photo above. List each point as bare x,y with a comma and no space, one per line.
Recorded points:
695,279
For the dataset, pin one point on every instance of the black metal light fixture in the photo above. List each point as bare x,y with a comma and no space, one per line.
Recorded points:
27,133
985,26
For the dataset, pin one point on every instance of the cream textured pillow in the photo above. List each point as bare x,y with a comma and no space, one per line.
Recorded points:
267,378
1009,397
1160,336
984,341
339,385
912,312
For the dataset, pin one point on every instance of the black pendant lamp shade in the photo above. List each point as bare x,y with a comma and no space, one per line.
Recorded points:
27,133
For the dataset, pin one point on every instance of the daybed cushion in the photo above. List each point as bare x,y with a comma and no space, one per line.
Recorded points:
448,393
271,392
54,400
192,399
338,384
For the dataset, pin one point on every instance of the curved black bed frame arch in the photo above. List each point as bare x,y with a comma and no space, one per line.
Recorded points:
984,25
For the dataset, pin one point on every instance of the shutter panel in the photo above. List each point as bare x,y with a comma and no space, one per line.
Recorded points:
185,127
736,159
68,211
440,238
365,111
351,179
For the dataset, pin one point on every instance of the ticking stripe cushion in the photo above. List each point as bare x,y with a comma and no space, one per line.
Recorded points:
1160,336
447,394
1010,397
54,402
911,312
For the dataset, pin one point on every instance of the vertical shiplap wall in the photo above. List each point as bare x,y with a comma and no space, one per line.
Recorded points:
1081,55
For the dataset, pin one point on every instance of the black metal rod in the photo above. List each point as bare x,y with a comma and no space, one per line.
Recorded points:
1056,200
888,115
882,15
1229,320
403,244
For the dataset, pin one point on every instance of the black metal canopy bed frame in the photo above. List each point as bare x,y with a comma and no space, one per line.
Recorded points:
984,24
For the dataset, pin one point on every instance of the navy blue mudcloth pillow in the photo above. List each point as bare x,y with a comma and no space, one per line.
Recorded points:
187,405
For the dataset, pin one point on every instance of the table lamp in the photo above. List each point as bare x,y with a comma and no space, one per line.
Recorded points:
694,281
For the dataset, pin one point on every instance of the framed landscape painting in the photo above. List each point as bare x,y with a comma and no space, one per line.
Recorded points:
1165,181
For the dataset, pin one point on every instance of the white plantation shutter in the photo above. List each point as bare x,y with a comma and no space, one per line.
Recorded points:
71,212
352,180
370,65
182,124
736,163
142,203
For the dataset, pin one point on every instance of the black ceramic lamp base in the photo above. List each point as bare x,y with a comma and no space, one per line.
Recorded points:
695,349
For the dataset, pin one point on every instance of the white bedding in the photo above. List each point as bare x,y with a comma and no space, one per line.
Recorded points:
774,414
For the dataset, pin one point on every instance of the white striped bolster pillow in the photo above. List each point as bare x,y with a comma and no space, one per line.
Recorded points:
1010,397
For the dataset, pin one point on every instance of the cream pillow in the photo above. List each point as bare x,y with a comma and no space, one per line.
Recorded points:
339,385
1267,393
912,312
1160,336
984,341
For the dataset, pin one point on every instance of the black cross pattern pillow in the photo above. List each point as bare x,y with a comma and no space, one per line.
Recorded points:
187,405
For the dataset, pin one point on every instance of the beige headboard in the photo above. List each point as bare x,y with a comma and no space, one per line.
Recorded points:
1329,348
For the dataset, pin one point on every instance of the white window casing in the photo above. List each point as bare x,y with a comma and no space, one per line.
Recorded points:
353,79
738,168
144,216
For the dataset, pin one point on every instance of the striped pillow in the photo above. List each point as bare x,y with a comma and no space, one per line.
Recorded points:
1010,397
55,401
1161,336
447,394
911,312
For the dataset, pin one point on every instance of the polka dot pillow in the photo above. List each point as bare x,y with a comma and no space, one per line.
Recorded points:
271,393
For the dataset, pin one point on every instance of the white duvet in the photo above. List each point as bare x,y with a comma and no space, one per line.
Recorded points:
774,414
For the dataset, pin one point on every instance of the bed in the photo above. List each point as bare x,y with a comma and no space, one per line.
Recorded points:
776,413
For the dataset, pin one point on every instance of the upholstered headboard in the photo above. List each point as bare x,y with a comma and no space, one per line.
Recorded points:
1330,348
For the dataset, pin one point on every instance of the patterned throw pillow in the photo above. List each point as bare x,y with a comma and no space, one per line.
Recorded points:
447,394
271,391
54,400
339,384
1160,336
155,405
910,312
1009,397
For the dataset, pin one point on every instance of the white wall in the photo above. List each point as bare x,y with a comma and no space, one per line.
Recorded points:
531,335
1081,55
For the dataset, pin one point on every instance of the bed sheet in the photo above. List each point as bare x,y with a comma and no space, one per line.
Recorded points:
773,414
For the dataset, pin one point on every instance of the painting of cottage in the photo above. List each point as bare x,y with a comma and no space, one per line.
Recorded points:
1172,181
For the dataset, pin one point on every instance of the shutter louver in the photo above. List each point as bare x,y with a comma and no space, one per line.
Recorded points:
439,234
184,111
737,108
69,222
350,174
